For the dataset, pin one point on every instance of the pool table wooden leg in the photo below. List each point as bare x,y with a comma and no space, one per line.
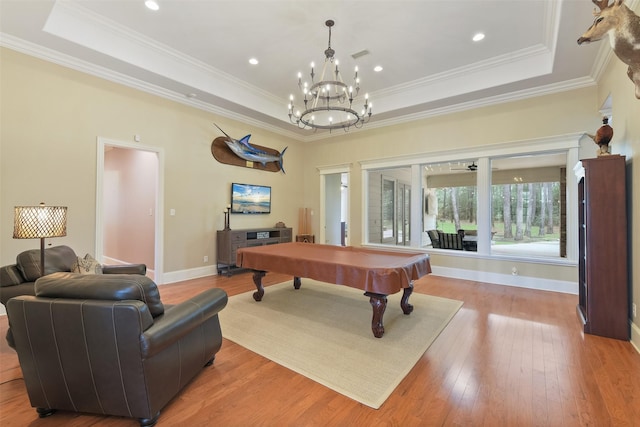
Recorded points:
257,279
404,302
379,304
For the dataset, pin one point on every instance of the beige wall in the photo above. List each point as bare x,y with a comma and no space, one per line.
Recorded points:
51,117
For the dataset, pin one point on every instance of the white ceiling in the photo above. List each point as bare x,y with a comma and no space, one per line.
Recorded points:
197,52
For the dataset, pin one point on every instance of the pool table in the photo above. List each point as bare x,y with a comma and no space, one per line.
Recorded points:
377,272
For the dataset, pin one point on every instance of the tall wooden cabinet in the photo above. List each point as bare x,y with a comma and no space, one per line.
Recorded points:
603,294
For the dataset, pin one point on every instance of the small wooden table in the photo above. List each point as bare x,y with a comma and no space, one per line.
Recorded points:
379,273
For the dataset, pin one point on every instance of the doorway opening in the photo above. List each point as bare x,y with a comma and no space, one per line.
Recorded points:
334,223
129,205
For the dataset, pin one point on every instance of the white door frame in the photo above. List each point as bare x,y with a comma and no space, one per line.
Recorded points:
159,217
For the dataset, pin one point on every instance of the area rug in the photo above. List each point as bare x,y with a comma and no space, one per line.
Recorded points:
323,331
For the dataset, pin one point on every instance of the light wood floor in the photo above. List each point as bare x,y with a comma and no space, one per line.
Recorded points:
510,357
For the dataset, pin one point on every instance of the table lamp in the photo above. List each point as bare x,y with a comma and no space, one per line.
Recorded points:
39,222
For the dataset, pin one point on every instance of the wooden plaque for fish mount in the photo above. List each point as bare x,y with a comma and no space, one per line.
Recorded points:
223,154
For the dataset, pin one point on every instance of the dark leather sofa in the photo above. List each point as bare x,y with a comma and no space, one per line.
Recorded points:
106,344
19,278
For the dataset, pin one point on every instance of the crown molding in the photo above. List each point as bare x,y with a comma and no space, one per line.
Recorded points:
74,11
67,61
488,101
465,73
542,55
73,22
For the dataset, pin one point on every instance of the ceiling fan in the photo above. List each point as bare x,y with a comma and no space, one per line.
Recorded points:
471,168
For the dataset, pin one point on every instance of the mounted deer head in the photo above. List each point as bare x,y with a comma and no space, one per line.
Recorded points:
623,27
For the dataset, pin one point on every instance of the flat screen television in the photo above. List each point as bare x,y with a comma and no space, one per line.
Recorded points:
250,199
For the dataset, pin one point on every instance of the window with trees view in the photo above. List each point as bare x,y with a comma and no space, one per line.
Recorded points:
524,204
528,205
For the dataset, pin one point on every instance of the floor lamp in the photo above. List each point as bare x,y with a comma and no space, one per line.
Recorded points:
39,222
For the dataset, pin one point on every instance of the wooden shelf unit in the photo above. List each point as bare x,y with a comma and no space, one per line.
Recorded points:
229,241
603,292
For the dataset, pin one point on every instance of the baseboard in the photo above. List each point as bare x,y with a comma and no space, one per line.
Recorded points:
192,273
508,280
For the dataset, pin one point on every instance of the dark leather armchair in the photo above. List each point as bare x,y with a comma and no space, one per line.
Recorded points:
106,344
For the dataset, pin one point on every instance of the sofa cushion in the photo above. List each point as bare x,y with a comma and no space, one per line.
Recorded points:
115,287
10,275
57,258
8,292
86,265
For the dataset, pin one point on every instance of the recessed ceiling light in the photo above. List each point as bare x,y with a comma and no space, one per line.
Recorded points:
478,37
377,68
152,4
253,61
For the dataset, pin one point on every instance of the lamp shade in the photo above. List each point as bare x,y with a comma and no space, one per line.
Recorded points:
37,222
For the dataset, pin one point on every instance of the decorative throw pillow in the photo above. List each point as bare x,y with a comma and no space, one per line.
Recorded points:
86,265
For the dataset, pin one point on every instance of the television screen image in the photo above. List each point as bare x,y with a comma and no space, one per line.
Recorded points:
250,199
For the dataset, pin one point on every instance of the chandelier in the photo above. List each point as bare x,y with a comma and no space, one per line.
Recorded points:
329,102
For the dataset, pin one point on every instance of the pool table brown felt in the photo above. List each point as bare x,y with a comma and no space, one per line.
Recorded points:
377,272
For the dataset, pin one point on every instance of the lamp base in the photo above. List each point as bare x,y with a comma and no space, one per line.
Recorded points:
41,256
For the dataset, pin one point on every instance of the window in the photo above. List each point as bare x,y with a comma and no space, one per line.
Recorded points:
528,205
451,200
503,205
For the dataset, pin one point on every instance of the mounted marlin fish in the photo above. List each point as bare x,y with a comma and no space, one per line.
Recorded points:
246,151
